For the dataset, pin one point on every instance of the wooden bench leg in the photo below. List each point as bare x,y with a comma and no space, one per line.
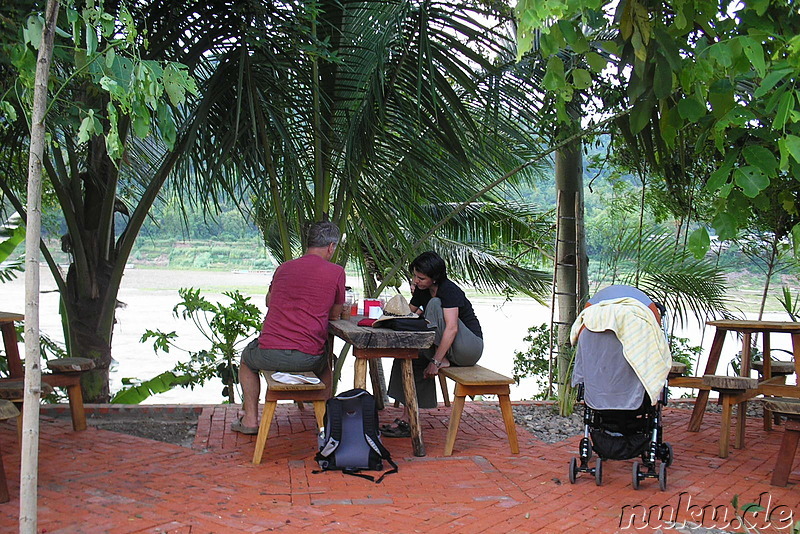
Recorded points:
4,495
76,407
319,413
455,420
783,465
263,429
443,386
741,421
508,420
725,429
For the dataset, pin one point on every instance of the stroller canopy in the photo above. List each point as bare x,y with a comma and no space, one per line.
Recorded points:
621,351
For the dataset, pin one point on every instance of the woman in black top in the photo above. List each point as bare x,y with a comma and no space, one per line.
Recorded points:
458,340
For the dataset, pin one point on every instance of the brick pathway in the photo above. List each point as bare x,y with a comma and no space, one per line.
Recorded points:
102,481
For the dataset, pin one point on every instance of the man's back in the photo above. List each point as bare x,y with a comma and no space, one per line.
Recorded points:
301,296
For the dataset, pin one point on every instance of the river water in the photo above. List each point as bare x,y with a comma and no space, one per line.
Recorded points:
149,296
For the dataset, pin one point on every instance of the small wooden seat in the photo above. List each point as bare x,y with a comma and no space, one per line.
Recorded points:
7,411
732,391
66,373
316,393
477,380
776,368
14,390
778,371
789,408
677,369
70,365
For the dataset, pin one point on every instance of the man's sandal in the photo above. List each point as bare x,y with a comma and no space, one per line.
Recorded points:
401,429
237,426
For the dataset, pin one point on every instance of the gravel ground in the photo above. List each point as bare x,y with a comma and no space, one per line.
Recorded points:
545,423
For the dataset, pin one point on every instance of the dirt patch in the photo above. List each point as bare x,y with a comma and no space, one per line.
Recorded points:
177,425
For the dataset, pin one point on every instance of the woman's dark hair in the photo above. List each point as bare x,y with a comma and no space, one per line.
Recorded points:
431,265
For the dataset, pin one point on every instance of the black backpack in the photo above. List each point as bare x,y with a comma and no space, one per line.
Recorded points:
350,441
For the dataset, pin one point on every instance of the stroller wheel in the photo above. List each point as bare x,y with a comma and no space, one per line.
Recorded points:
668,459
598,472
573,470
636,475
662,477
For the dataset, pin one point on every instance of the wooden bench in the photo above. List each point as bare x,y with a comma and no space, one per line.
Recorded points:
733,391
316,393
790,408
477,380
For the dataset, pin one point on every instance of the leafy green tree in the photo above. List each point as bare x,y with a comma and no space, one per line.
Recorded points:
107,98
709,91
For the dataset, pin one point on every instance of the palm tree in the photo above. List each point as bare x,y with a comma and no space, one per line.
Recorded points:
386,115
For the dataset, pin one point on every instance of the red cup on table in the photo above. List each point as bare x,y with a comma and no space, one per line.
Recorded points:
369,304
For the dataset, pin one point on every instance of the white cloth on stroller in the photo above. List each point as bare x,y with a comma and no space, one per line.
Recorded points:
636,328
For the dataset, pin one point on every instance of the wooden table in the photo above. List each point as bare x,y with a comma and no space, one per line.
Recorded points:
765,387
371,343
7,321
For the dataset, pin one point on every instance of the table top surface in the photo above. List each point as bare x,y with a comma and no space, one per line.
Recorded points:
367,337
758,326
7,317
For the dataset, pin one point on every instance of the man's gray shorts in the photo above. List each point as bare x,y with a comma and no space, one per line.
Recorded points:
285,360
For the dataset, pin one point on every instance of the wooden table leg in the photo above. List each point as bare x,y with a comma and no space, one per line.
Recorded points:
410,391
741,409
711,367
360,370
783,465
767,361
15,369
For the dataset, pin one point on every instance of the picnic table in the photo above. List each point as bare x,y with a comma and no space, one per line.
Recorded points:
372,343
768,386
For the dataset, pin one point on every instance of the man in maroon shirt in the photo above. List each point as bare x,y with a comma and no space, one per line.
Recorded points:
303,295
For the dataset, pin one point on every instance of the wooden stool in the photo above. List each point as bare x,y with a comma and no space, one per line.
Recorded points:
316,393
477,380
733,390
66,373
790,408
677,369
13,390
778,372
7,411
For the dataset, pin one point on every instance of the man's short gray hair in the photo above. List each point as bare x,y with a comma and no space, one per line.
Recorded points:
322,234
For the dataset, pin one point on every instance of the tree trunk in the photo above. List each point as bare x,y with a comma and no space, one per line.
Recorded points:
571,277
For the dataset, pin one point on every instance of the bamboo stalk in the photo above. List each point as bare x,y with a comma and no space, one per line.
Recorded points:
29,457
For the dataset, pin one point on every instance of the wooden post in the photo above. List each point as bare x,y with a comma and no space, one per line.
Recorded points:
29,456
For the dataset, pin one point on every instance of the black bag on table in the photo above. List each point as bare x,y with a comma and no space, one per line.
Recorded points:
405,324
350,441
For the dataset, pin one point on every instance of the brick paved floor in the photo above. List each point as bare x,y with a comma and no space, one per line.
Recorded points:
101,481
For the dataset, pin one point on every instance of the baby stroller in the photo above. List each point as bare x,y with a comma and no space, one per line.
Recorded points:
622,362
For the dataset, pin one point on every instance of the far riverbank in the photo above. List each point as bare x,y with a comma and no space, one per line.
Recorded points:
148,297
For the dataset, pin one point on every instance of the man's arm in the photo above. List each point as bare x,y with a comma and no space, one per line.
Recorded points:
336,312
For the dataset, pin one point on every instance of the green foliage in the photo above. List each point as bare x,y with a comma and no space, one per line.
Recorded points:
709,90
790,303
12,233
684,353
535,361
225,326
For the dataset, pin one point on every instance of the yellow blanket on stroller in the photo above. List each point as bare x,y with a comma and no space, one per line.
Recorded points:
636,328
